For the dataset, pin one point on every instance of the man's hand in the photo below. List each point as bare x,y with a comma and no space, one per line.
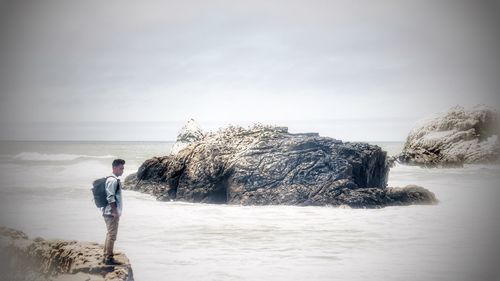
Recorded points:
114,210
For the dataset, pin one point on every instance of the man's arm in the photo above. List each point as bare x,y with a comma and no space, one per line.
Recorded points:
111,186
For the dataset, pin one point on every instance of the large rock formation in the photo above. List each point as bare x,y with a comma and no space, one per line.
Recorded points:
265,165
22,259
461,136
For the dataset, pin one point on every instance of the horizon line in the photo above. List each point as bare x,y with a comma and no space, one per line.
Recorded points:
86,140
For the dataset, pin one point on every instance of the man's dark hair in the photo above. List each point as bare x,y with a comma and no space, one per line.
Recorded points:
118,162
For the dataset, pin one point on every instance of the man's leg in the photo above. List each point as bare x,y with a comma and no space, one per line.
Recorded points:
112,231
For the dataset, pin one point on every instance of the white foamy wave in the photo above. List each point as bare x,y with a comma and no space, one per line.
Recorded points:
35,156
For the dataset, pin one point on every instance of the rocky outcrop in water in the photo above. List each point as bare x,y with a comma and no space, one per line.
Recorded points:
461,136
22,259
265,165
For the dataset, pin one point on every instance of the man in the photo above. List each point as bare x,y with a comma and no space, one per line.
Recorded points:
113,210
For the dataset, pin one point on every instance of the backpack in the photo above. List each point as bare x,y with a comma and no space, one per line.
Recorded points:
99,191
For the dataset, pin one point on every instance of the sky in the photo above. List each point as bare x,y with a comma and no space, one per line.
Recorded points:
138,70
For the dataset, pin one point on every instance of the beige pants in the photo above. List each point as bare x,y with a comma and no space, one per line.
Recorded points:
112,227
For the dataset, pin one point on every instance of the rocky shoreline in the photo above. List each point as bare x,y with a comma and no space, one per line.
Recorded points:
267,165
24,259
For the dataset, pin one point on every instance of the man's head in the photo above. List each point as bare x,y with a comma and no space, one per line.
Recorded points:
118,167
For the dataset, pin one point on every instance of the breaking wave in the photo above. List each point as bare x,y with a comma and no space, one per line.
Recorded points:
35,156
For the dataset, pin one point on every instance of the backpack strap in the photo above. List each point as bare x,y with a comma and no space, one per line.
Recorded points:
118,184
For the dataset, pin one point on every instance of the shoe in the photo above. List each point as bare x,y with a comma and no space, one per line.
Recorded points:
111,261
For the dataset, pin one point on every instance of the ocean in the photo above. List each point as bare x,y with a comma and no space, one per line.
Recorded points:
45,192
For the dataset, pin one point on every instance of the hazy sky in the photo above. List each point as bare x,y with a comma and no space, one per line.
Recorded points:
137,70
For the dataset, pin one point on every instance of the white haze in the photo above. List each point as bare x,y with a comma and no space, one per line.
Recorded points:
125,70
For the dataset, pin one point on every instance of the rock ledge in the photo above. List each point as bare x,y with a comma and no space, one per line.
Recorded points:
23,259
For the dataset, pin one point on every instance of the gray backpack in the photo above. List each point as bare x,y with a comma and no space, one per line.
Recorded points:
99,191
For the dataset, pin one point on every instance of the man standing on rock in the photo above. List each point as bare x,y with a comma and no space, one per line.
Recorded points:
113,210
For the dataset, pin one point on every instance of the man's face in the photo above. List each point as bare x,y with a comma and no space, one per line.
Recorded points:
118,170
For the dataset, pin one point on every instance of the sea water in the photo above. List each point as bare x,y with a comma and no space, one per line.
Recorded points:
45,192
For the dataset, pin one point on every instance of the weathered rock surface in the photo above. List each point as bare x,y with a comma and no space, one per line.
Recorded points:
265,165
189,133
22,259
461,136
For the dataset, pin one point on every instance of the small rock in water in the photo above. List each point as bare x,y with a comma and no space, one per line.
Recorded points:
461,136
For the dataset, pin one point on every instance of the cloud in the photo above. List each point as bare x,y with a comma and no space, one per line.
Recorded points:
230,61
